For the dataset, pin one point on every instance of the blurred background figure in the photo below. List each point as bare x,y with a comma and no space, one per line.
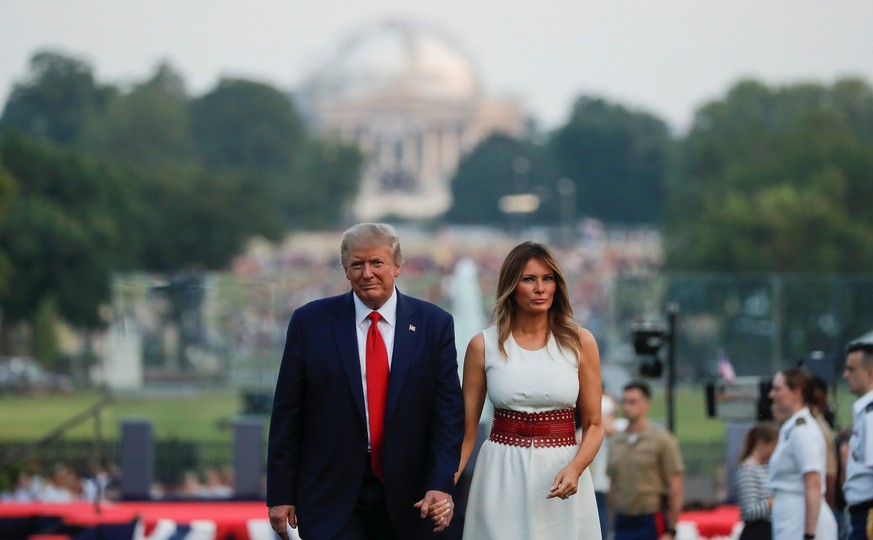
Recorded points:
750,481
215,486
611,425
647,472
22,491
858,487
797,466
191,486
96,486
824,415
63,486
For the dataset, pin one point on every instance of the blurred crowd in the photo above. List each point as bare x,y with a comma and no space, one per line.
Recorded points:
64,483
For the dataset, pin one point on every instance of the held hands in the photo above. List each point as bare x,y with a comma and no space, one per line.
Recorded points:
437,506
282,516
566,483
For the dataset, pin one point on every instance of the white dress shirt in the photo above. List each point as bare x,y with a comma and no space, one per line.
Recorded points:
801,449
387,324
859,467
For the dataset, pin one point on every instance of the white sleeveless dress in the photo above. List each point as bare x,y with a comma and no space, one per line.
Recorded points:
510,483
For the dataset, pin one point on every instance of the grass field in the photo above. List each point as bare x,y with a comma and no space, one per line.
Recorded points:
192,429
196,416
203,416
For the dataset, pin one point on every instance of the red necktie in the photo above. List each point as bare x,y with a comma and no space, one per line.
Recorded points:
377,393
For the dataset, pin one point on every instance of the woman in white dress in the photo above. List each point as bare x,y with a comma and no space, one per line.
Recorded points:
797,466
536,365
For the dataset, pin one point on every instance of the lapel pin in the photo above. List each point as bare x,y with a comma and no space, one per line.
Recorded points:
411,328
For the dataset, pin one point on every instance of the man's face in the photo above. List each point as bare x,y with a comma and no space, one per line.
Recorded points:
859,378
634,404
371,271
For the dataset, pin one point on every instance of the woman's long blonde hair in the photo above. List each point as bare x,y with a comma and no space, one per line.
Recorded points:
560,314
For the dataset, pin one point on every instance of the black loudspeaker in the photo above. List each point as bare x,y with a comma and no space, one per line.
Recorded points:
248,458
710,400
137,459
651,367
765,404
257,402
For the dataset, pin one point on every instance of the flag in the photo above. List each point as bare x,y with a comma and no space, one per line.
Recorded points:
725,368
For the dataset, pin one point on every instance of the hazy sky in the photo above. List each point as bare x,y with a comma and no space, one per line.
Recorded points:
664,56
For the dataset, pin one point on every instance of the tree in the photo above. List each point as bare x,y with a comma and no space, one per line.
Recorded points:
324,181
619,160
776,179
45,335
501,165
56,101
198,220
64,232
7,193
246,126
148,127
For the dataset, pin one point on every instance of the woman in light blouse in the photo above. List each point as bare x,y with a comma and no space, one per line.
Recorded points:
797,466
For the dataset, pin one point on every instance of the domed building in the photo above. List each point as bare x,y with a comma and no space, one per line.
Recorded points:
413,103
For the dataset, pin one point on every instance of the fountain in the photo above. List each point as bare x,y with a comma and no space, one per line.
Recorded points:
466,306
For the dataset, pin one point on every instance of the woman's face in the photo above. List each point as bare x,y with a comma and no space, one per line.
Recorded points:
535,289
786,401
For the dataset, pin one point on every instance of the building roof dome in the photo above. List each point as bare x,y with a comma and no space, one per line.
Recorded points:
398,57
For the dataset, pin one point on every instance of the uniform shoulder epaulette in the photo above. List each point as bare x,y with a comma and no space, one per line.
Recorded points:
800,421
869,407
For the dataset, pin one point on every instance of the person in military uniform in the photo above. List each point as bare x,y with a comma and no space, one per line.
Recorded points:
858,488
646,471
797,466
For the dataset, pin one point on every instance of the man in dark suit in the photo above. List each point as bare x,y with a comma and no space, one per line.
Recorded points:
348,458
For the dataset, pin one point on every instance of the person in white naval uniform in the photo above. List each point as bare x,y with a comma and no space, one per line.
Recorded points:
858,488
797,467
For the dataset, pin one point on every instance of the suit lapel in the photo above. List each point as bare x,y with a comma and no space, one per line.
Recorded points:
405,338
345,333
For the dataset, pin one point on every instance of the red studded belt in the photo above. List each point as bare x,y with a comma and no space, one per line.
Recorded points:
542,429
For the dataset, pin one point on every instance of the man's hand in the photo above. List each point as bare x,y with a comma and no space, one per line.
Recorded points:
281,516
439,507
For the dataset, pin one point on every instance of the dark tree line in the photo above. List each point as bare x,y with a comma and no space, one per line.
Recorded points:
616,159
96,178
775,179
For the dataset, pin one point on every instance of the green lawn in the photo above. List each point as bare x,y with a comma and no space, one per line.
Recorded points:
205,415
197,416
194,428
692,424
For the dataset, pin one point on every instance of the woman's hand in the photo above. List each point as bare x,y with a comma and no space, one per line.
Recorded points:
438,507
566,483
439,510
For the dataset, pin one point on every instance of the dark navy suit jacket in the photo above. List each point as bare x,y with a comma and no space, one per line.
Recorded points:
318,433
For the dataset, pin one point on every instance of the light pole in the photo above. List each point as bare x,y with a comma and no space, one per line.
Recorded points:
566,188
649,338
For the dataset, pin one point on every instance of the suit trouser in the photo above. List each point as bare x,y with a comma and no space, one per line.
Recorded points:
642,527
862,524
369,519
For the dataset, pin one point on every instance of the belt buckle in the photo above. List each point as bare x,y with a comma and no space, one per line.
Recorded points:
540,429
